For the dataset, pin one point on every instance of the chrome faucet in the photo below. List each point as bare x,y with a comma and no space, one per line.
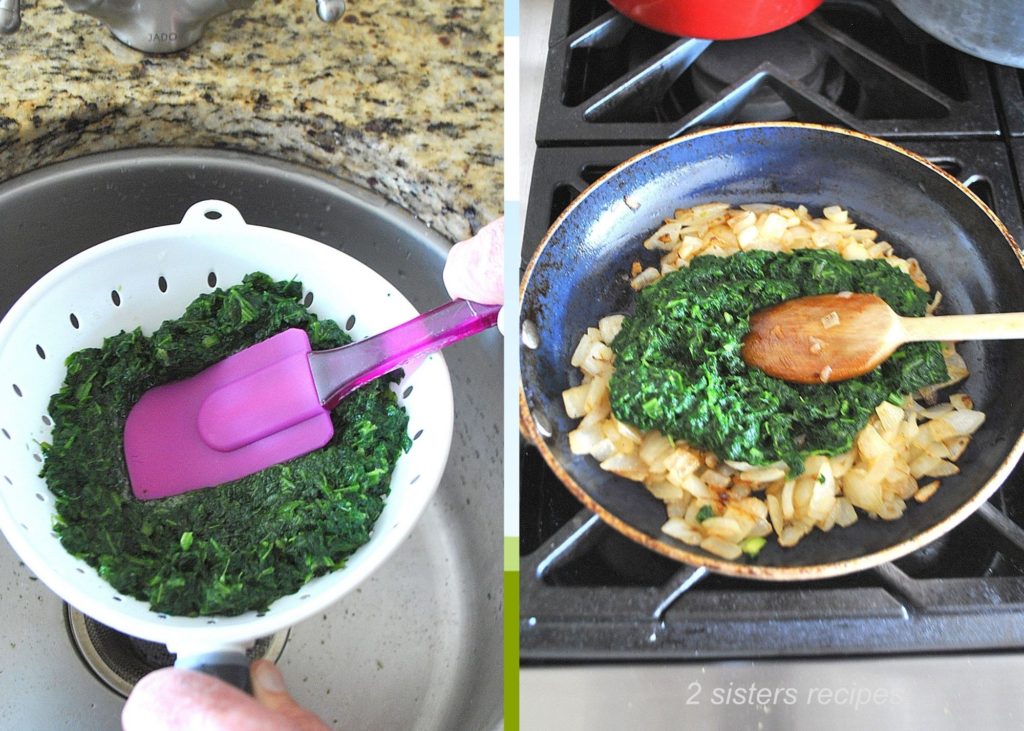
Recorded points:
157,26
10,16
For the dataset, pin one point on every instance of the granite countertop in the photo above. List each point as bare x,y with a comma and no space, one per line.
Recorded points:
402,98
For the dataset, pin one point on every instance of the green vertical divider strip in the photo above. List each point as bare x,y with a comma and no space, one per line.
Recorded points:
511,633
511,557
513,237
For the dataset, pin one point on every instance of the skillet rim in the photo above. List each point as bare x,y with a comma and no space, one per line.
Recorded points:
682,553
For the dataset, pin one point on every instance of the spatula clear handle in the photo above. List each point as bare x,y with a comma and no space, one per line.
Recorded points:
340,371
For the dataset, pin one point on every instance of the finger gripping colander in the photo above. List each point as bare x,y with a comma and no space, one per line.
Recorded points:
140,280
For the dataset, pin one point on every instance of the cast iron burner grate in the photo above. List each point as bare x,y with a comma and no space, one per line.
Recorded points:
1010,87
693,614
611,80
588,593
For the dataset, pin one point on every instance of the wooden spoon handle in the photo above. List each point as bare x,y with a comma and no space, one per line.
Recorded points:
1001,326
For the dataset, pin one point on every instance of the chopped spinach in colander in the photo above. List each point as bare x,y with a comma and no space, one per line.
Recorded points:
238,546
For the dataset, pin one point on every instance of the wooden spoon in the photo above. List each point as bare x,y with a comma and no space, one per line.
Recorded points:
833,337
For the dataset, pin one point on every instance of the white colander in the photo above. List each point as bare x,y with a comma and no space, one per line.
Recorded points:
142,279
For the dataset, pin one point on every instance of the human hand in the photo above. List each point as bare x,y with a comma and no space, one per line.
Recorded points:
184,700
475,267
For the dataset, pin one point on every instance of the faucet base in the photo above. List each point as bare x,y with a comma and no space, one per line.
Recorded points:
156,26
158,41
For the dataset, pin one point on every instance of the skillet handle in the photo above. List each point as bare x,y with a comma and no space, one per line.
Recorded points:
231,666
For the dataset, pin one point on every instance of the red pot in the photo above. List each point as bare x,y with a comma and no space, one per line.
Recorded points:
715,19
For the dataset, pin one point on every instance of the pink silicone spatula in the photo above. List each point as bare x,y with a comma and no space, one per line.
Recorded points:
271,402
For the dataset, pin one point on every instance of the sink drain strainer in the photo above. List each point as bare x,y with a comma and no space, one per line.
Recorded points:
120,660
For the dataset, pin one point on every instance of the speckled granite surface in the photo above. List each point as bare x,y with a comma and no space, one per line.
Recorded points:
403,98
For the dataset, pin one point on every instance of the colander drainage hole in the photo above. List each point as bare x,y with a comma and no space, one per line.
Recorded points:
350,322
8,479
119,661
74,320
46,420
16,389
40,352
417,435
6,433
115,298
406,392
308,299
162,284
212,215
211,279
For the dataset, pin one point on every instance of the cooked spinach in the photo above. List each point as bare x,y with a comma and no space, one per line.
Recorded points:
238,546
678,367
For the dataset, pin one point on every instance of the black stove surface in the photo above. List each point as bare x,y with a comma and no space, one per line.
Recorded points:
610,80
611,90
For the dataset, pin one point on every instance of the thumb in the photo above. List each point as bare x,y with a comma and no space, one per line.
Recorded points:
269,688
474,269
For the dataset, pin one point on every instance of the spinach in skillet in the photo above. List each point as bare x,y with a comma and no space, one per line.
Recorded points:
678,367
239,546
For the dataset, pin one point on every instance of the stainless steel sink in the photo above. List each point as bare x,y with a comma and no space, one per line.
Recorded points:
419,645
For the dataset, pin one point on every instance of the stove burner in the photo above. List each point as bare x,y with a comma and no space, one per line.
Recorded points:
120,660
792,53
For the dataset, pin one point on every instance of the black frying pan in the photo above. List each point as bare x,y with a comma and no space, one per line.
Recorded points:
579,273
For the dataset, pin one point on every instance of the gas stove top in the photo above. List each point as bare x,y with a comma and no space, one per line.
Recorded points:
612,89
857,63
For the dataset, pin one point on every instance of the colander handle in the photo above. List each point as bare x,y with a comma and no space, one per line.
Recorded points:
231,666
